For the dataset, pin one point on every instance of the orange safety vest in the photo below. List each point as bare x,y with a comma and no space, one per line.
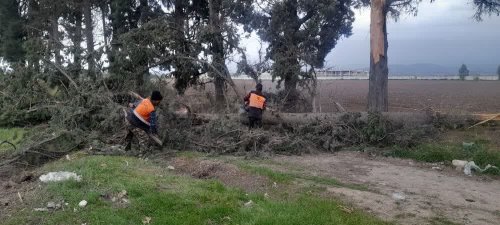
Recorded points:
143,110
256,101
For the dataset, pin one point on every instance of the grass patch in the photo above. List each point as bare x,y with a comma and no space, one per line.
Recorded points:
275,176
287,177
155,192
12,135
448,152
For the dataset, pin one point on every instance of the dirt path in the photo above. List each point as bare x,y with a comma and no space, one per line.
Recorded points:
405,191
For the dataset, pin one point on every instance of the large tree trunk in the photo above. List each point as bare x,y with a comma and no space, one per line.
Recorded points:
379,72
89,36
33,59
217,48
77,40
142,57
117,27
104,15
55,40
292,78
184,69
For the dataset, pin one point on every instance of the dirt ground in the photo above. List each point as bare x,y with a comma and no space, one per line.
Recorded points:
406,95
402,191
405,191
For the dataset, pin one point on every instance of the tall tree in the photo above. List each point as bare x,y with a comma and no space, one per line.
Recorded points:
89,37
11,31
379,72
301,33
187,17
463,72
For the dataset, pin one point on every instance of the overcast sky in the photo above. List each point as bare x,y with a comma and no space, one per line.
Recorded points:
442,33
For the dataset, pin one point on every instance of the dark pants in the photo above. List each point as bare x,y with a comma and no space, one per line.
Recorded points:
254,122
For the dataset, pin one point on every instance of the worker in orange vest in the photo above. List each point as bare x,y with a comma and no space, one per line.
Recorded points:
142,119
255,104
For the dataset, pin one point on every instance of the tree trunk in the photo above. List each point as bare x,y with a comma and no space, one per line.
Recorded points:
104,14
217,51
33,59
55,40
89,35
117,27
292,77
142,57
379,72
77,40
184,69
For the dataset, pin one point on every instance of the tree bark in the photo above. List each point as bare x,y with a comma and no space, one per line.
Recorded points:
379,72
89,36
77,40
142,57
55,41
104,14
217,49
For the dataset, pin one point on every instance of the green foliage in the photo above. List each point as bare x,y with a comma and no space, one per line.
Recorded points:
463,72
302,33
377,128
169,199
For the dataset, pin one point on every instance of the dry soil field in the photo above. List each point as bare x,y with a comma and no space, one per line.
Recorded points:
408,95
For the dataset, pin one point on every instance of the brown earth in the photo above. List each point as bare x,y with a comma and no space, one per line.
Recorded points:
406,95
428,193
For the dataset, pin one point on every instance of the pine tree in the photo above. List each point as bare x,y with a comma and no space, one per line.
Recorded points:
301,33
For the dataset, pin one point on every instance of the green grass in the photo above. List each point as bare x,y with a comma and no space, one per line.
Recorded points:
12,135
275,176
448,152
169,199
287,177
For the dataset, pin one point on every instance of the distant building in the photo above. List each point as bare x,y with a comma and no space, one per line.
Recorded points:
341,73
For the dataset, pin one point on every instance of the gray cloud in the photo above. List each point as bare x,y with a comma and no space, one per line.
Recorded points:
442,33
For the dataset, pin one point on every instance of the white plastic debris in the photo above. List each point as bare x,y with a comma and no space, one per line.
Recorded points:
249,203
59,176
171,168
51,205
469,166
398,196
83,203
459,164
41,209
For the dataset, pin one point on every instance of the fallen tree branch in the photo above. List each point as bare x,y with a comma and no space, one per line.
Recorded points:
485,121
10,143
63,72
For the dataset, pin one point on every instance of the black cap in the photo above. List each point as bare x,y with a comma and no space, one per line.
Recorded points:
156,96
258,87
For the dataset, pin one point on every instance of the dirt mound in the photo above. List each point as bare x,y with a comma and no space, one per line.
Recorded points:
228,174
